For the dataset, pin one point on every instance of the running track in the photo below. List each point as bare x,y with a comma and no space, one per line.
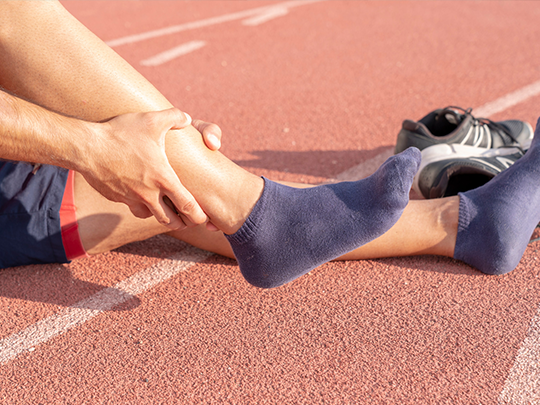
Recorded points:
304,92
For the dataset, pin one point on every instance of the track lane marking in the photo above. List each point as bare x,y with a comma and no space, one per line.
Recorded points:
104,300
261,17
522,385
130,39
267,15
510,100
173,53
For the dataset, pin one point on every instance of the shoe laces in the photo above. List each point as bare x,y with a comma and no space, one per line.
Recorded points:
480,121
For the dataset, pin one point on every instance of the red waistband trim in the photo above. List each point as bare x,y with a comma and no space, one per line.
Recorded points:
68,222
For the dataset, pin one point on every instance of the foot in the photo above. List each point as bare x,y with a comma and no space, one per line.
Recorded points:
291,231
497,220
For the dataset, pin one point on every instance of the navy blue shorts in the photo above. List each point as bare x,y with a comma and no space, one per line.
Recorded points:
30,229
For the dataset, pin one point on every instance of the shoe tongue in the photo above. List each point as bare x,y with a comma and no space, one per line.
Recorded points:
453,117
446,121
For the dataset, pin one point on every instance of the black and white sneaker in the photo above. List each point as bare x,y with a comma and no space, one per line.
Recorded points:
454,125
447,170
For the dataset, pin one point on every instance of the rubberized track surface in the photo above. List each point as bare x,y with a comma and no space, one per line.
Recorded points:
303,92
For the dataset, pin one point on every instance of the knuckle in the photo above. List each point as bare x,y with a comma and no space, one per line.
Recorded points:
188,206
198,125
178,115
150,119
214,128
177,225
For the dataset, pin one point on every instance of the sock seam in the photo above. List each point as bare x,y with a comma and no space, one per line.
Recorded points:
244,234
464,213
463,223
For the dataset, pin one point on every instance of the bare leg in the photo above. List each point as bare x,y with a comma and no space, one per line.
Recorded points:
427,227
50,59
77,86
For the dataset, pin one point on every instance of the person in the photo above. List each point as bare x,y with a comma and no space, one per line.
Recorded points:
102,134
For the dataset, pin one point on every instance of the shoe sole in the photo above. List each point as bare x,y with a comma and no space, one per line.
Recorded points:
437,153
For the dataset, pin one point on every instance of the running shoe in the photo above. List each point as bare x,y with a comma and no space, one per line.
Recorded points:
454,125
447,170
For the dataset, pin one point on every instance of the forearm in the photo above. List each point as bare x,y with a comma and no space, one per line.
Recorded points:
50,58
34,134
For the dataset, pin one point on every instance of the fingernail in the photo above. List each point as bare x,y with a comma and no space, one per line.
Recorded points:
214,140
188,118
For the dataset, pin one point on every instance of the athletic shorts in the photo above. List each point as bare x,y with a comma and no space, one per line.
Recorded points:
38,221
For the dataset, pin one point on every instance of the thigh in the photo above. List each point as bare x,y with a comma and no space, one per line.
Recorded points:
105,225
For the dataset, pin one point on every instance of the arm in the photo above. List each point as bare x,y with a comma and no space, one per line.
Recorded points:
48,63
123,158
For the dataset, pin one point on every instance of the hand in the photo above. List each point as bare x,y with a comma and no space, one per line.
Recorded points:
211,133
127,163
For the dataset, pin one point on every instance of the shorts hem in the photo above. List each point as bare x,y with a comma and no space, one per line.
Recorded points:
68,223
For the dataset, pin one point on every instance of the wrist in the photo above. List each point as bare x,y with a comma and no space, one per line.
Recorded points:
84,146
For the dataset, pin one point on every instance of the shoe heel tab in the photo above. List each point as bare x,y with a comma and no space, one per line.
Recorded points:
410,125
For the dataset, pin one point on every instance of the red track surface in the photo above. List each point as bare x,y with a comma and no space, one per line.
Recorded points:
301,97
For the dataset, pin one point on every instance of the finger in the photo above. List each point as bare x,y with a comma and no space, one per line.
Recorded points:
186,221
211,133
162,210
169,203
190,212
186,206
211,227
175,222
212,136
188,119
177,119
166,215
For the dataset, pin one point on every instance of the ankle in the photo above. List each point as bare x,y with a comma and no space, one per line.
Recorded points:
230,210
448,217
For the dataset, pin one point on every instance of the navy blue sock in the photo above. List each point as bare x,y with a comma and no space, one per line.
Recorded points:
291,231
496,221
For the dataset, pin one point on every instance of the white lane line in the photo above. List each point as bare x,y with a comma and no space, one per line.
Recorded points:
173,53
509,100
205,23
267,15
104,300
523,383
